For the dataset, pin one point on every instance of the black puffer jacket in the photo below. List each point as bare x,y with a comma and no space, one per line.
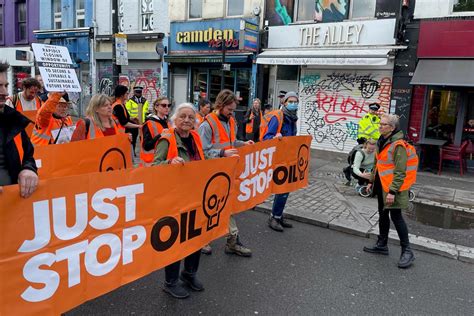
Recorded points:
12,123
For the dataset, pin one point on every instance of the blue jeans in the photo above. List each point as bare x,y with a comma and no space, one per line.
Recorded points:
279,203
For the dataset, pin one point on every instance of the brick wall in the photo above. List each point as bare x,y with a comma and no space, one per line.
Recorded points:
416,111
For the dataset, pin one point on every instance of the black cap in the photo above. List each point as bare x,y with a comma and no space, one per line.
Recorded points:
281,94
138,89
374,106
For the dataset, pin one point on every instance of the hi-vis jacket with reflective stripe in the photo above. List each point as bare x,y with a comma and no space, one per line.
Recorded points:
369,127
170,136
155,128
133,108
266,120
96,132
220,138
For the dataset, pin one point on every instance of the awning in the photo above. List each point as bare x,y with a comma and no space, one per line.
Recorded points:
444,72
206,59
330,57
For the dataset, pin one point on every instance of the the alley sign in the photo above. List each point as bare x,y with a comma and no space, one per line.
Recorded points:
56,68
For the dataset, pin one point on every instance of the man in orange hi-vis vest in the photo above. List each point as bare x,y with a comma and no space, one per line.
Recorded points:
218,134
27,99
395,169
17,164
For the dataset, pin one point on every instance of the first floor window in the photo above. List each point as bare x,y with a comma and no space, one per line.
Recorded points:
21,21
463,5
195,9
235,7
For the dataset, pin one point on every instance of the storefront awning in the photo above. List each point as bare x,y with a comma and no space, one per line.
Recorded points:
330,57
444,72
206,59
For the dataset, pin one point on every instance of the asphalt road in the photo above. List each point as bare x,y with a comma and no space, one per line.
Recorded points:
306,270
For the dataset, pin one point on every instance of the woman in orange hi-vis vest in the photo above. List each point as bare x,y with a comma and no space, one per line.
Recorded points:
99,121
53,124
151,130
396,163
204,109
252,120
177,146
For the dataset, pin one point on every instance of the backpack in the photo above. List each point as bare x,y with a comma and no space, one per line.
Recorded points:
352,154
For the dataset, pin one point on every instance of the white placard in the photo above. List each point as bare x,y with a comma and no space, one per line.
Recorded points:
65,134
56,68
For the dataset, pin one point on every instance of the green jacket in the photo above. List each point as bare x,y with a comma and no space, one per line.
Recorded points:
133,108
369,127
399,173
161,151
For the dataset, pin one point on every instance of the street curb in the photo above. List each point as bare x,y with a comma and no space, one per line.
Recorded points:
448,250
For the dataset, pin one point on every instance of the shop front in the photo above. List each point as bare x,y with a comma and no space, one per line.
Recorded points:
207,56
443,112
22,66
338,70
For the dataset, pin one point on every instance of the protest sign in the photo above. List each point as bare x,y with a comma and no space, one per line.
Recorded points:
56,68
94,155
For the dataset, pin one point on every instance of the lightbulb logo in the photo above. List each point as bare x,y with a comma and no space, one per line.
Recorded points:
215,198
113,159
303,160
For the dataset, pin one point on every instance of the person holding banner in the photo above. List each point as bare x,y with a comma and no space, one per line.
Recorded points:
218,134
27,99
277,124
99,121
151,130
53,124
177,146
17,164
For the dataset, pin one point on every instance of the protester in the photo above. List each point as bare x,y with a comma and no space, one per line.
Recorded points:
98,121
17,164
281,98
204,109
277,124
252,120
27,99
137,107
267,108
42,92
369,124
152,129
218,134
392,177
177,146
120,113
364,163
53,124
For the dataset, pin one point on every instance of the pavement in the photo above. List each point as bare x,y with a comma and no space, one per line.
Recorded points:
330,203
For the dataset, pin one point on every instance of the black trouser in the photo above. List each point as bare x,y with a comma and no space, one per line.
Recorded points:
134,132
360,180
395,215
191,265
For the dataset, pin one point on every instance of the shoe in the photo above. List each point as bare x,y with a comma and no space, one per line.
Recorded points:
176,290
406,259
380,247
207,250
234,246
274,224
284,223
191,281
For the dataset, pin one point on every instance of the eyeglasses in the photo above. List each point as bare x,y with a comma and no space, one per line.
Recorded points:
166,105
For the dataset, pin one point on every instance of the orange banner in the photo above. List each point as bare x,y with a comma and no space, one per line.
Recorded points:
31,115
95,155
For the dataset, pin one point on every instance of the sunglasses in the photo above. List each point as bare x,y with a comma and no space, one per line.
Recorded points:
165,105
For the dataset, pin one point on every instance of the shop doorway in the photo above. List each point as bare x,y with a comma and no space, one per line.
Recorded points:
180,89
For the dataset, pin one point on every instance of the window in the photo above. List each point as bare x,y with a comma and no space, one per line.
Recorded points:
463,5
21,34
1,23
57,13
235,7
306,10
195,9
441,114
323,10
363,9
80,13
147,15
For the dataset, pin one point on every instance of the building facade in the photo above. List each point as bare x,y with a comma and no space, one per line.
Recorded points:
18,19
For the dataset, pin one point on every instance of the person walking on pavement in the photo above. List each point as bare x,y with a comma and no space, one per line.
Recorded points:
53,124
177,146
392,177
369,124
277,124
17,164
252,120
137,106
218,134
27,99
152,129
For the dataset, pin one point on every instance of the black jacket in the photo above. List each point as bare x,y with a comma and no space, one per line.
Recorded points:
12,123
149,143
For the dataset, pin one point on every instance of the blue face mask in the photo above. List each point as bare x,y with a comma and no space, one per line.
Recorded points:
292,106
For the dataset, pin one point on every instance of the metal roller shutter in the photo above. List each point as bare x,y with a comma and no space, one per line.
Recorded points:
333,101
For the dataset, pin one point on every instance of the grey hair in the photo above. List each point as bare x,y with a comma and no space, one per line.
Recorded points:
393,120
181,107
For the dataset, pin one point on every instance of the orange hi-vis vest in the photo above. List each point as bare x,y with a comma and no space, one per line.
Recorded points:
119,126
220,138
249,126
266,120
95,132
19,107
199,118
385,165
170,136
147,156
19,146
43,136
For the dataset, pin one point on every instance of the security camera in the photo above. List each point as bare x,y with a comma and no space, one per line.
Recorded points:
266,28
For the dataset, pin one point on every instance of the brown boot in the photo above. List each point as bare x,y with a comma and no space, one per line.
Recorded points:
234,246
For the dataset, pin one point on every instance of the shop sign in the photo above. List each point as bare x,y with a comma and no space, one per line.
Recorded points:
363,33
202,36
